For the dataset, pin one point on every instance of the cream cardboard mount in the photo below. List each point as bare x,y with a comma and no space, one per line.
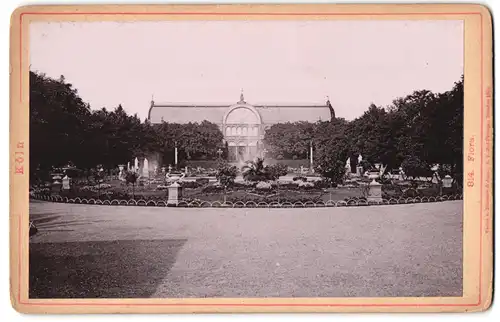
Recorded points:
191,260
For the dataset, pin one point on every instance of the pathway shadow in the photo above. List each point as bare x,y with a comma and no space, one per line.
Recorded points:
100,269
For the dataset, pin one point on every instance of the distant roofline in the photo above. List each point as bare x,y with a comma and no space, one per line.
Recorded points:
260,105
227,105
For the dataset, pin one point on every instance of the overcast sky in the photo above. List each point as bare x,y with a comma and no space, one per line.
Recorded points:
355,63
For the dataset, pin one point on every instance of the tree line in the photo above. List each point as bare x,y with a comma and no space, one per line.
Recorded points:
64,130
414,132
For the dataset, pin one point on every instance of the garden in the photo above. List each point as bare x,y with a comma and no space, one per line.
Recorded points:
304,161
254,183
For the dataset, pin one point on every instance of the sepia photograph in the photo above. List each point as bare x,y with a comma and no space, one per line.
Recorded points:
240,158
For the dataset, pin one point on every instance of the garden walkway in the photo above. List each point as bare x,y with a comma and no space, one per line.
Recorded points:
107,251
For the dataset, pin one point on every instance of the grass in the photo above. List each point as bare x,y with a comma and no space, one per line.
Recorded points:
122,191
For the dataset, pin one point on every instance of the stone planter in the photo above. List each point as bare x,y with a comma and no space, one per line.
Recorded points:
375,189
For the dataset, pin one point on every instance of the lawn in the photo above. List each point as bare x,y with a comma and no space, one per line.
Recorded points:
115,189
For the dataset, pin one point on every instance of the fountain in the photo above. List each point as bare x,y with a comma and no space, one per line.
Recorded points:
145,168
136,165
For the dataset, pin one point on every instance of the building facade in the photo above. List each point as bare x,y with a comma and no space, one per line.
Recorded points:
242,124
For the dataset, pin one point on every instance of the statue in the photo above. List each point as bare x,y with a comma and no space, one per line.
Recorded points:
382,170
348,165
121,174
242,99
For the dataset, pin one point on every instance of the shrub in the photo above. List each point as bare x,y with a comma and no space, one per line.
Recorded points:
213,188
302,178
246,185
428,192
391,191
276,170
226,173
305,185
189,184
289,186
263,185
363,189
415,167
131,177
322,184
40,191
410,193
351,199
255,171
367,166
202,181
384,180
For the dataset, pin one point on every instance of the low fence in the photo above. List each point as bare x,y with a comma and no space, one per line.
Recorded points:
241,204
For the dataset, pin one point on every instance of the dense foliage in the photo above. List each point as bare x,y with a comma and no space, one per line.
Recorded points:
415,132
226,173
64,130
256,171
289,140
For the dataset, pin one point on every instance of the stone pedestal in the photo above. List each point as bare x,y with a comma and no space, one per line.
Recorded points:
56,182
66,183
375,192
359,171
447,181
174,194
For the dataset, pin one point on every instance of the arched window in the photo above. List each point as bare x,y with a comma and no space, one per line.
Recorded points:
228,131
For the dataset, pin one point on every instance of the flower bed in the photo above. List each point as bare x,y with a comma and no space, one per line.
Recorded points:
264,192
245,202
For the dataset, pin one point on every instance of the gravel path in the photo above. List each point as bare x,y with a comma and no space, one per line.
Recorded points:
102,251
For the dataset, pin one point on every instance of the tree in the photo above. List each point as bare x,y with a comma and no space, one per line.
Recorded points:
429,129
289,140
420,129
58,118
373,136
131,177
196,141
447,124
332,150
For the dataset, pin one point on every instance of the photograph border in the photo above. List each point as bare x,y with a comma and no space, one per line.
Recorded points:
478,147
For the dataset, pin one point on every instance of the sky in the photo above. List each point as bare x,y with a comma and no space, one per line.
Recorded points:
353,63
